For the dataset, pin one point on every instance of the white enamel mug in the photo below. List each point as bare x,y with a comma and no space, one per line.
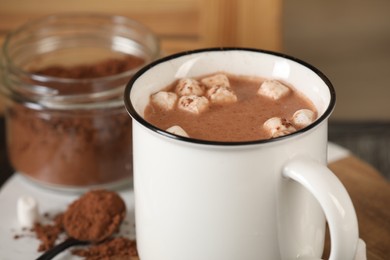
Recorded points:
264,199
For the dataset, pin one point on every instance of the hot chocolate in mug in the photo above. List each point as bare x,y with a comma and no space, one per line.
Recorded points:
249,200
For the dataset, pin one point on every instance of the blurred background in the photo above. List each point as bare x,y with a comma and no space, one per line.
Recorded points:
349,40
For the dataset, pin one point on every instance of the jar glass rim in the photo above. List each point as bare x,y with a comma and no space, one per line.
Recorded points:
40,94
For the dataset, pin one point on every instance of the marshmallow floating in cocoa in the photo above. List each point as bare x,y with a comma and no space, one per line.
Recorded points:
165,100
217,80
273,89
277,126
189,86
303,117
221,95
177,130
193,104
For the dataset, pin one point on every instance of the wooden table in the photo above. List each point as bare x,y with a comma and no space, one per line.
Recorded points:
370,194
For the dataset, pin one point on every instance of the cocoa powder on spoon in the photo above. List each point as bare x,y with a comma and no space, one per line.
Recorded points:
95,216
92,218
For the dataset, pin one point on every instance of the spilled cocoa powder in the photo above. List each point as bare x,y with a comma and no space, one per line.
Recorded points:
49,233
96,216
74,148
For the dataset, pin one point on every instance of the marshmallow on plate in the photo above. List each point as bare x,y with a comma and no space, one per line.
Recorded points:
165,100
273,89
27,211
277,126
303,117
188,86
217,80
193,104
177,130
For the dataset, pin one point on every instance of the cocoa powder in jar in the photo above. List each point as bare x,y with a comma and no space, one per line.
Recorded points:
73,148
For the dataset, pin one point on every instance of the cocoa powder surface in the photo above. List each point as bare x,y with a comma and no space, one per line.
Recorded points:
103,68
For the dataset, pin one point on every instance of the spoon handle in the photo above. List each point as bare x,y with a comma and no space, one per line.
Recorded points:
60,247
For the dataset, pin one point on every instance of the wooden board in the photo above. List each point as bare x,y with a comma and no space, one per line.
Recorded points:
370,194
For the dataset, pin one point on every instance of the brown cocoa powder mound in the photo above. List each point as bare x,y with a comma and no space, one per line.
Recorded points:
49,233
114,248
103,68
95,216
75,149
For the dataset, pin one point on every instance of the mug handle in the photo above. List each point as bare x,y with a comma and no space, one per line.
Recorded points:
334,201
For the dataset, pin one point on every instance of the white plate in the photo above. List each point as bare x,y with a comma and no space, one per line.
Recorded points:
49,201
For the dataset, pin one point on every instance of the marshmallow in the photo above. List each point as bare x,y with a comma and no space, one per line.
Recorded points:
165,100
273,89
221,95
193,104
277,126
217,80
188,86
27,211
303,117
177,130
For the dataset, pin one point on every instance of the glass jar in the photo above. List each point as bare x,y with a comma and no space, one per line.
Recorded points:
63,77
